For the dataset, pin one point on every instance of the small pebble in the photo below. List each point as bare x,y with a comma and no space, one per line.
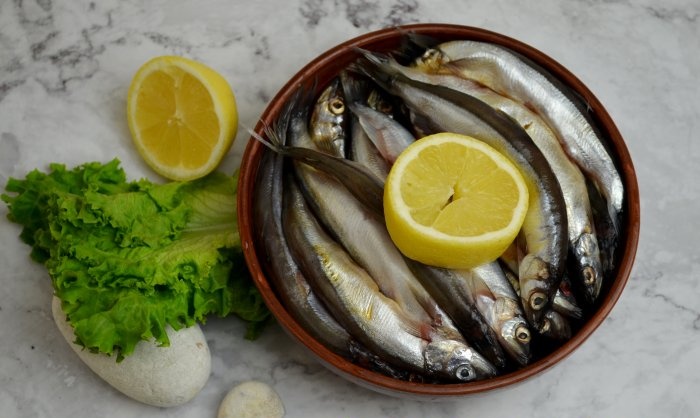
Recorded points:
251,399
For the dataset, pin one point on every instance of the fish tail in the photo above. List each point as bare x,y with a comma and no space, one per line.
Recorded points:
355,89
413,45
276,133
377,67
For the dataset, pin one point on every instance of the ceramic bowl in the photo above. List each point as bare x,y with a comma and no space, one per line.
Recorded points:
321,70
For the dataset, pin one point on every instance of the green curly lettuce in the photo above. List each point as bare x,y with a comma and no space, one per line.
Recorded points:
128,258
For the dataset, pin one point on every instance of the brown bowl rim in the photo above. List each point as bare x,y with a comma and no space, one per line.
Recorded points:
381,383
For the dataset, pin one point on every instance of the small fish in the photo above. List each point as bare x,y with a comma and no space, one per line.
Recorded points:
520,79
369,315
545,223
605,228
501,307
455,295
581,229
293,288
361,230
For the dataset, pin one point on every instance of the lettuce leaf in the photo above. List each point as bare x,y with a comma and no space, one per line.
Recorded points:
128,258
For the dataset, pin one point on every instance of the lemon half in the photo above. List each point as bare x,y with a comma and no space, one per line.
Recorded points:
453,201
182,116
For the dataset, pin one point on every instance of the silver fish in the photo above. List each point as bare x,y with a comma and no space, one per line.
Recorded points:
581,228
458,298
362,232
364,235
451,292
292,287
501,307
373,318
388,135
545,223
522,80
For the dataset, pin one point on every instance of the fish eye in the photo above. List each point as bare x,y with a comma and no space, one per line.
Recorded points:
337,106
538,300
464,373
522,334
430,54
588,276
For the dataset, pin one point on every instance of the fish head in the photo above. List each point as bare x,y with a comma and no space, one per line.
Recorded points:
587,256
456,361
555,326
328,120
431,61
514,331
565,301
535,286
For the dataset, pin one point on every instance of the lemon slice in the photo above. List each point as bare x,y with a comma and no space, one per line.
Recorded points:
182,117
453,201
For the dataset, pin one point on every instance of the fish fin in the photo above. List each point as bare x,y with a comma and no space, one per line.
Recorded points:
355,89
421,125
376,67
454,68
326,147
276,132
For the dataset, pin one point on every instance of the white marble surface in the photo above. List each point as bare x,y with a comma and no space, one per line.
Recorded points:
65,67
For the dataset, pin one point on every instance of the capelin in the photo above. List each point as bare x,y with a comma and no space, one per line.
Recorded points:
327,124
455,361
587,255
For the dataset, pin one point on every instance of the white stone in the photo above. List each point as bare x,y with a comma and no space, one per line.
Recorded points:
158,376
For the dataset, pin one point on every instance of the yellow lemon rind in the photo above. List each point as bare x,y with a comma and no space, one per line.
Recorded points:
224,103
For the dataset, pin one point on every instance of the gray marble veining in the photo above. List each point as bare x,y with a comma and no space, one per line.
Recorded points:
65,68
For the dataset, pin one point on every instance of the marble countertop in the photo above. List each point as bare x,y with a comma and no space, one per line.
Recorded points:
65,67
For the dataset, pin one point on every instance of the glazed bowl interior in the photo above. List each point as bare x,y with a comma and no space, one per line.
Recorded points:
319,73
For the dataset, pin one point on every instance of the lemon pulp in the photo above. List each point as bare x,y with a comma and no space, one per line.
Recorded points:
453,201
182,117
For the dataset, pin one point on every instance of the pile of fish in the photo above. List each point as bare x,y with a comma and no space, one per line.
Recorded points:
320,225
